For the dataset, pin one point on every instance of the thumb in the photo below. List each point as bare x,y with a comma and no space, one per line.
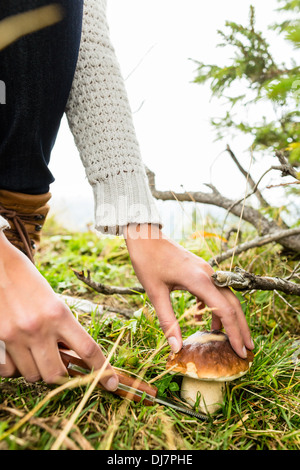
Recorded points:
167,319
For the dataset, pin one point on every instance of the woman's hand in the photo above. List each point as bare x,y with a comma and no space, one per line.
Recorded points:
162,266
33,320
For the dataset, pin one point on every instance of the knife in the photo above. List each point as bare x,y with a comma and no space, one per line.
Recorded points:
129,387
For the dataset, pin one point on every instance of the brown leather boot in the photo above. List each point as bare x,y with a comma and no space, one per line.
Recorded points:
26,214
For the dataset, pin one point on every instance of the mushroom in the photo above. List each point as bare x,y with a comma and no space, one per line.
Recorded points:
207,361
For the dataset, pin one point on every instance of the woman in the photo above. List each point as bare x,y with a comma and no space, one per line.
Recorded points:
71,67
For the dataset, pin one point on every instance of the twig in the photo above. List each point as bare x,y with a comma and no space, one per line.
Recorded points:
263,225
293,272
252,183
241,216
286,302
228,235
282,184
248,195
286,167
255,242
107,290
140,61
86,306
242,280
253,191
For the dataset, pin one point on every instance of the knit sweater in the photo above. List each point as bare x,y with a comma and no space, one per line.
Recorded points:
100,119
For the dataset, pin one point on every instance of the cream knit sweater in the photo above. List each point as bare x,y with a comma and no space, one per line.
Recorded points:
100,120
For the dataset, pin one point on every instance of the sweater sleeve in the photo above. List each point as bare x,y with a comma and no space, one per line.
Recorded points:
3,223
100,120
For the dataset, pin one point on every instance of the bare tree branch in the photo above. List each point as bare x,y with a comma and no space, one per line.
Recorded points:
255,242
286,167
294,272
241,280
282,184
104,289
252,183
263,225
86,306
241,200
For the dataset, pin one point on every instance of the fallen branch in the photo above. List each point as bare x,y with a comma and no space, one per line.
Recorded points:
104,289
241,280
86,306
255,242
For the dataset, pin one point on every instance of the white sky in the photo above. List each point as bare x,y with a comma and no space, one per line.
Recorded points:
154,40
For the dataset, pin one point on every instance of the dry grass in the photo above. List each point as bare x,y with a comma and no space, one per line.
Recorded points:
261,410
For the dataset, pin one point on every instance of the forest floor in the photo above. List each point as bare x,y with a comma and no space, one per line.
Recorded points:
261,410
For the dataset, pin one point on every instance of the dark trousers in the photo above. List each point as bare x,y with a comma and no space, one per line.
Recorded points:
37,71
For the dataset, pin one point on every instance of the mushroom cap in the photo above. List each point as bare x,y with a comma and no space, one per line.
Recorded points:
208,355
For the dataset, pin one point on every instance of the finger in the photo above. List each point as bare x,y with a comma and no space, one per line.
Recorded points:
49,362
167,319
223,309
25,364
200,306
216,323
75,336
244,327
7,366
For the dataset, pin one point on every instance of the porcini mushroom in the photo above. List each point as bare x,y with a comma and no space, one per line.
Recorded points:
207,361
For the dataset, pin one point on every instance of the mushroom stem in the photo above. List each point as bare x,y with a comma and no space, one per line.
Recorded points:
211,393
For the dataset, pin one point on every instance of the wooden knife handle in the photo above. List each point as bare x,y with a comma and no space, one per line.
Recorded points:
68,356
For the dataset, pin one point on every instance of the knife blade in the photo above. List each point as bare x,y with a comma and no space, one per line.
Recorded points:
129,387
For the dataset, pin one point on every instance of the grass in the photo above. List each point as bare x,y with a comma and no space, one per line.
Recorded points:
261,410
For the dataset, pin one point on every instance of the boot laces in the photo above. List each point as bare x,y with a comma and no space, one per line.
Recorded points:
19,220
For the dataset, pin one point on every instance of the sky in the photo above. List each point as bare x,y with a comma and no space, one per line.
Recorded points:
157,43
